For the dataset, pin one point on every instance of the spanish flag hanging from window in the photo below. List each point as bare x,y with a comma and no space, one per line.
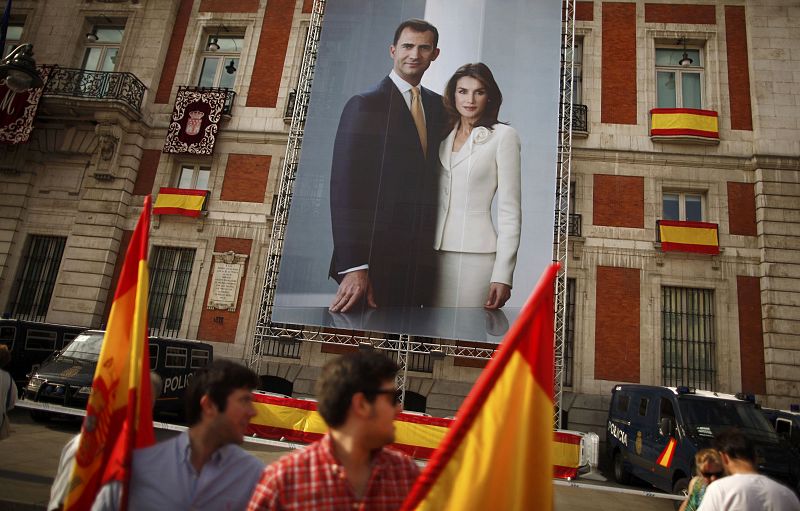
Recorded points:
696,237
180,201
498,453
119,415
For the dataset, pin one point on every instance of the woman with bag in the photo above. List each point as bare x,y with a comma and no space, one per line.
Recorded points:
8,392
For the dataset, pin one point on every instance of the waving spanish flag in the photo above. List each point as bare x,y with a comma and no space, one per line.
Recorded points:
498,453
119,415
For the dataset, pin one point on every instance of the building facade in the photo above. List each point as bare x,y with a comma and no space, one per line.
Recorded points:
684,261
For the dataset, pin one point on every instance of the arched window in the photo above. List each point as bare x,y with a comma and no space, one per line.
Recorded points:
276,384
415,402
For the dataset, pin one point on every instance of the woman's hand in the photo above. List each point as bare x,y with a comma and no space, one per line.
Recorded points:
498,295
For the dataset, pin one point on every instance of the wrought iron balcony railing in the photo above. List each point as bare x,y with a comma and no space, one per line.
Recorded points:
290,104
102,85
574,227
580,118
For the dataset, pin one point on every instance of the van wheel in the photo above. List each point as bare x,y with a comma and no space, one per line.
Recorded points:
39,416
680,488
620,474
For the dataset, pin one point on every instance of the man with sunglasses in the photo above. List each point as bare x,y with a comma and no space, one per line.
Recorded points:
350,467
744,488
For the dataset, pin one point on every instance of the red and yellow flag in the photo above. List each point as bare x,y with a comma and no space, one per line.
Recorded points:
684,122
180,201
498,453
697,237
119,415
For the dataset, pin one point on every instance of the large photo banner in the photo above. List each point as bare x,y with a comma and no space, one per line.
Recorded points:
424,198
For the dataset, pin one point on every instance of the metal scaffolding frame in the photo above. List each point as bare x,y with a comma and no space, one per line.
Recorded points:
403,344
562,198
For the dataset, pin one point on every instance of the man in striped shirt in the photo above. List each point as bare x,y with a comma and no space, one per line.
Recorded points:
350,467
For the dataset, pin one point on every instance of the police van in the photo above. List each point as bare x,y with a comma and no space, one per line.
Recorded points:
31,343
653,433
66,377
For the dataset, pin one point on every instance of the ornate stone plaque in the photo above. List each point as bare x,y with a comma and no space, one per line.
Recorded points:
225,280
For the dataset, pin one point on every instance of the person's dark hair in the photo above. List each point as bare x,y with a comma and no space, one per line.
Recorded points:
5,355
344,376
218,380
483,74
737,446
417,25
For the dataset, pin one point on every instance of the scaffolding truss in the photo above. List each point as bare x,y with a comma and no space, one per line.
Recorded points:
403,344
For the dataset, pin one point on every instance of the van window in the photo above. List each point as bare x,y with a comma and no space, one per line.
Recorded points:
176,357
153,356
199,359
7,335
783,427
67,338
643,406
40,340
623,400
84,347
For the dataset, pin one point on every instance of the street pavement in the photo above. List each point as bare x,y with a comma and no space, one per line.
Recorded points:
29,458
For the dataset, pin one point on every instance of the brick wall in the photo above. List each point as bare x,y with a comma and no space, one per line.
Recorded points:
618,86
680,13
738,72
616,330
751,335
174,52
220,325
742,209
618,201
584,11
245,178
146,175
308,6
229,6
271,54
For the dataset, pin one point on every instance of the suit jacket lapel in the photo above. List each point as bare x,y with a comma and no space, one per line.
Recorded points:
446,150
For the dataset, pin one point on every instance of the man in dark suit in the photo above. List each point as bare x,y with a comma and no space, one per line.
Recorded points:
383,197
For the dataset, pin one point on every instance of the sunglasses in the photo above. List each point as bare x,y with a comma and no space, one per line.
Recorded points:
395,393
709,475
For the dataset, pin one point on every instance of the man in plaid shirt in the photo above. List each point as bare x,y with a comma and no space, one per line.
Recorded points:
350,467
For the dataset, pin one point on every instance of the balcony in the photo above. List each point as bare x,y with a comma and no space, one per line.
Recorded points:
682,236
580,120
574,227
289,112
230,96
684,125
104,86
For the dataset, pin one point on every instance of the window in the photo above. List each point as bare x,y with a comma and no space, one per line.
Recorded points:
176,357
643,406
622,402
219,66
577,72
688,341
679,86
666,411
68,337
169,283
13,37
199,358
568,354
101,55
36,277
194,177
41,340
685,206
153,356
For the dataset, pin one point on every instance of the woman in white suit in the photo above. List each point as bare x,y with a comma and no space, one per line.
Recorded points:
478,162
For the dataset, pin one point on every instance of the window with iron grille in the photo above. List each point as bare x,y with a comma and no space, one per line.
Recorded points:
36,277
170,270
688,337
568,355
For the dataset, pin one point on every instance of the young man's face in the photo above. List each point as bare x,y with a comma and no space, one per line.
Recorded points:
384,411
413,54
234,420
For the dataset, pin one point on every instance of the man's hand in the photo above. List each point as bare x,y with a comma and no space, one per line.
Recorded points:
354,286
498,295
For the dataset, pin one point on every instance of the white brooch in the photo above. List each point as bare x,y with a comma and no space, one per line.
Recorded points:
480,135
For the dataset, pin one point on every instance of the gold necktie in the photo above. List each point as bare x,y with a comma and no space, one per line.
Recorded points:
419,118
